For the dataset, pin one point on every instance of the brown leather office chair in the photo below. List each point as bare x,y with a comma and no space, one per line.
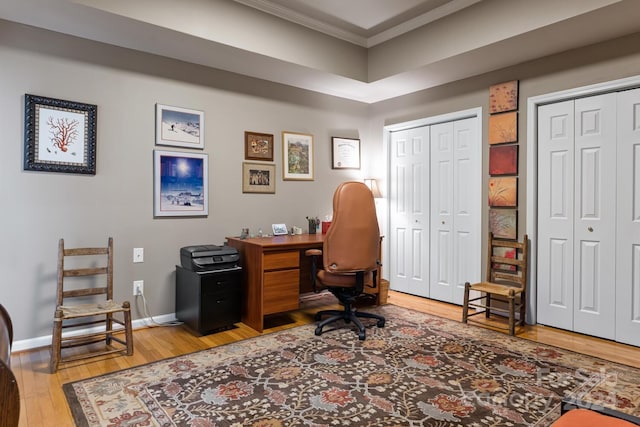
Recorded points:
90,271
349,255
506,282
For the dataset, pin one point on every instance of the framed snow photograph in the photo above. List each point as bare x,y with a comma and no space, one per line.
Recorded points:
60,136
180,184
179,127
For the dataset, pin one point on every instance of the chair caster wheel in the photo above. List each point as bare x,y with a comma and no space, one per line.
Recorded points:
380,323
361,336
318,331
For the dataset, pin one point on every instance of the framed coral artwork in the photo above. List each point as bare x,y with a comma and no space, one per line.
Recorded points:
60,136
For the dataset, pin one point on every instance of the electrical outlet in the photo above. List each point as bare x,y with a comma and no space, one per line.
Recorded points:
138,287
138,254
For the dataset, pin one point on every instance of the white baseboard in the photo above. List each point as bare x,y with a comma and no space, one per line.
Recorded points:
45,341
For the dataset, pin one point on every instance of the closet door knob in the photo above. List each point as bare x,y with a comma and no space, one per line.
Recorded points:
590,229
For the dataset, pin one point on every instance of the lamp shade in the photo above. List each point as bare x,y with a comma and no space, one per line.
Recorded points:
372,183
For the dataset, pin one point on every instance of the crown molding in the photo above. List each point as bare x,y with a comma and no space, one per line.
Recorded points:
282,12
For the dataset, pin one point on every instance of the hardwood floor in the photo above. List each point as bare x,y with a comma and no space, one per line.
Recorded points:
43,402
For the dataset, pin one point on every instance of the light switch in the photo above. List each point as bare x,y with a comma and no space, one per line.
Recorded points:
138,254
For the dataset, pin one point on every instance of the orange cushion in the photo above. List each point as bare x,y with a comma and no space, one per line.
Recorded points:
587,418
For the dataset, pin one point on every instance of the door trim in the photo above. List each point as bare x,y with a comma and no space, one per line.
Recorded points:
428,121
532,167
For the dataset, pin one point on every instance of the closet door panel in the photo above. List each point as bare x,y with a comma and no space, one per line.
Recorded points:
555,214
409,204
628,219
595,215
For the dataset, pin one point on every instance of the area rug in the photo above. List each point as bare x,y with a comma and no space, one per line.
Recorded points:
419,370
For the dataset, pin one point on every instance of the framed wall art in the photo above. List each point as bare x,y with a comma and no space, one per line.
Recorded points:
345,153
503,160
258,178
60,136
180,184
503,223
503,128
179,127
503,191
258,146
297,149
503,97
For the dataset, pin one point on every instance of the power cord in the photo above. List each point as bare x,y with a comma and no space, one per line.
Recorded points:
150,317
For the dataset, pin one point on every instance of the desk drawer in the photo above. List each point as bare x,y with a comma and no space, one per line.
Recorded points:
281,260
281,291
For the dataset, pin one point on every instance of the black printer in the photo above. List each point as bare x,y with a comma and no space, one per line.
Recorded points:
209,258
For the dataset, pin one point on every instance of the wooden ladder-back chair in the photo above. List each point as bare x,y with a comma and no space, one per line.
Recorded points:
506,282
9,392
85,299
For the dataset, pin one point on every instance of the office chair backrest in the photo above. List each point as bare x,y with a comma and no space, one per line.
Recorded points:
351,243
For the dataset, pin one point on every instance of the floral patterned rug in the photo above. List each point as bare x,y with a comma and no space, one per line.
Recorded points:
419,370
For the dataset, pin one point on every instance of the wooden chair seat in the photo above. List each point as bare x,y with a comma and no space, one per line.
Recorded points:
496,289
83,310
506,283
106,318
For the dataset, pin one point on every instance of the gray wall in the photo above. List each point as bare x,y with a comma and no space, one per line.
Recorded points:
39,208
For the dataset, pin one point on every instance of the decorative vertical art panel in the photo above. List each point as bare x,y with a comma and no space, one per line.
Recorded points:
503,160
503,192
503,97
503,223
503,128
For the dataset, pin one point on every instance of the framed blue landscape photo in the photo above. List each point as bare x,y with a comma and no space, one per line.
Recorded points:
180,184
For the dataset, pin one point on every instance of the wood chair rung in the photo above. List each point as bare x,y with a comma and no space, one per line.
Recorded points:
75,357
80,272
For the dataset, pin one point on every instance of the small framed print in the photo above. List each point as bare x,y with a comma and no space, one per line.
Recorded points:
258,146
297,151
179,127
60,136
345,153
258,178
503,128
180,184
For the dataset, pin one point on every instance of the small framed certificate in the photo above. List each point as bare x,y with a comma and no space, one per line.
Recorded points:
345,153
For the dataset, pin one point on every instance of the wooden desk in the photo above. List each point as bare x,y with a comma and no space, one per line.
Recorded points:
275,272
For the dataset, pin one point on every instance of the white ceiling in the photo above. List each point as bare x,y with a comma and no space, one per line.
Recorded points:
362,22
363,50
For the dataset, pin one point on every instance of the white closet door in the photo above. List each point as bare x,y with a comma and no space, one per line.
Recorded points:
555,214
409,211
576,215
455,257
595,216
628,219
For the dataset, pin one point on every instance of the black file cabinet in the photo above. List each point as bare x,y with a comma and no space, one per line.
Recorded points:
208,301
